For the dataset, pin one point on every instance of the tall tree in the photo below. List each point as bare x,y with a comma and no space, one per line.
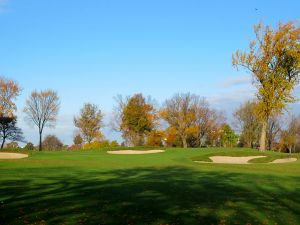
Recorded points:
9,130
42,109
274,61
248,123
136,117
89,122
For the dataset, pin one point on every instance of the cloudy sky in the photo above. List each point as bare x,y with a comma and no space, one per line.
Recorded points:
91,51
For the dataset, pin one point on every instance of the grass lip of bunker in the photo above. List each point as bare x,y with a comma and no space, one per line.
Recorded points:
9,155
135,152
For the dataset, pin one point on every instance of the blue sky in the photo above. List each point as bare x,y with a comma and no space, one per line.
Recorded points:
90,51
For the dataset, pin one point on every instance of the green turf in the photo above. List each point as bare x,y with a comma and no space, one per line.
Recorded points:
93,187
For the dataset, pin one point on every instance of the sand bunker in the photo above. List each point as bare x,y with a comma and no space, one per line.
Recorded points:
134,152
243,160
231,160
6,155
286,160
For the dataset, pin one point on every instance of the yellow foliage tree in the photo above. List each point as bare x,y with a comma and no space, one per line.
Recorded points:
274,61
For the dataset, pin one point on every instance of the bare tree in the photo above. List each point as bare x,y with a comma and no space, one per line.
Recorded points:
42,110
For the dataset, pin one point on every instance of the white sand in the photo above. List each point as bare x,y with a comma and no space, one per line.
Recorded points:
286,160
6,155
134,152
231,160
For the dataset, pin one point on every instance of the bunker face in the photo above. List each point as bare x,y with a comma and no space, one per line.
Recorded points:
5,155
134,152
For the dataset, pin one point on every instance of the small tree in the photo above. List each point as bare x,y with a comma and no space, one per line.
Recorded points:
274,61
52,143
78,140
89,122
135,117
42,110
248,123
12,145
228,138
29,146
9,130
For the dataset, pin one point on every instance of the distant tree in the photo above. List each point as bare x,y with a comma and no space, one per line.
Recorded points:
190,116
114,144
9,91
89,122
290,135
273,130
229,138
52,143
78,140
29,146
155,138
136,117
172,138
274,61
12,145
42,110
9,130
248,123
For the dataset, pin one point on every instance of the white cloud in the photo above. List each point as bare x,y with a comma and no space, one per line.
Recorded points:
235,81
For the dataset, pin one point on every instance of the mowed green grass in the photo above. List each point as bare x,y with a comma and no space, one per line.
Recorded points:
93,187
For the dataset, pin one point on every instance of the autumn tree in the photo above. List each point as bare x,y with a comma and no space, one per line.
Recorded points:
290,135
89,122
41,110
52,143
78,140
9,130
136,118
156,138
180,112
248,123
9,91
274,61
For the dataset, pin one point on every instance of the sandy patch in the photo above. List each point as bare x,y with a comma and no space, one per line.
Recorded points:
134,152
6,155
286,160
231,160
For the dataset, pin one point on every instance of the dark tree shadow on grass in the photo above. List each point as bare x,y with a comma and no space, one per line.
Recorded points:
173,195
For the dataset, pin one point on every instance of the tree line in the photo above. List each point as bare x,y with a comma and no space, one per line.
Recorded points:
186,119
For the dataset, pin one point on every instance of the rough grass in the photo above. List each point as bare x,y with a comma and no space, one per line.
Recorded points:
93,187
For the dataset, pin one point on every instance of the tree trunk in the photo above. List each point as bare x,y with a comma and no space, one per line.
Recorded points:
40,143
184,142
263,135
3,142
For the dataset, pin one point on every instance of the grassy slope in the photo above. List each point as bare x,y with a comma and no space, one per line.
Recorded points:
92,187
